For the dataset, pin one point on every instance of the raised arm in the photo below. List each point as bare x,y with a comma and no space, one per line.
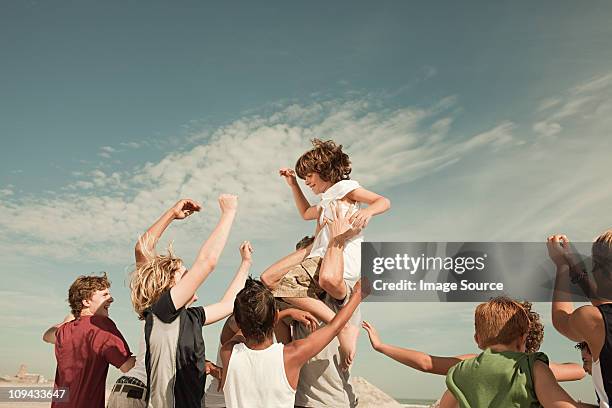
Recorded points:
146,243
298,352
225,306
49,334
208,255
307,211
582,324
562,305
377,204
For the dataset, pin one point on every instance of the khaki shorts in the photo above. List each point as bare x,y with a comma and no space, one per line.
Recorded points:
301,281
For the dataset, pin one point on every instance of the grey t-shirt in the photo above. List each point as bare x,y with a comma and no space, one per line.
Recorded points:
322,383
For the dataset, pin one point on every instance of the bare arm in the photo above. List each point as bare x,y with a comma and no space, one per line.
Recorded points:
128,365
298,352
562,305
377,204
209,254
146,243
412,358
49,334
549,392
225,306
567,371
448,400
307,211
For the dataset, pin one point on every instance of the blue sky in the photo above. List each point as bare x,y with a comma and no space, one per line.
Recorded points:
481,121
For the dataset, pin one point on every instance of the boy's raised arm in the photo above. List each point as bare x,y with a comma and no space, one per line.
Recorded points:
208,255
146,243
307,211
225,306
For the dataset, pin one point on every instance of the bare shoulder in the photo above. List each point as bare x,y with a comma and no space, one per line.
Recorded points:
587,315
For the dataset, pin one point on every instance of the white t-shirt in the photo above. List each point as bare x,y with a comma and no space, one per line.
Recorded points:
139,371
352,247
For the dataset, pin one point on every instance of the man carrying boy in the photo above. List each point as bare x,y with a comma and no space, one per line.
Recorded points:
86,342
503,375
265,374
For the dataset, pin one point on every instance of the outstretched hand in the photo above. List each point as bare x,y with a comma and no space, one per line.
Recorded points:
289,175
184,208
372,334
246,251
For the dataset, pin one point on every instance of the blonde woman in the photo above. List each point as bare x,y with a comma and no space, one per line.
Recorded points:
162,292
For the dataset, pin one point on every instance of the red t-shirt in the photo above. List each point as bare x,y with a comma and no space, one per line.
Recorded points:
84,348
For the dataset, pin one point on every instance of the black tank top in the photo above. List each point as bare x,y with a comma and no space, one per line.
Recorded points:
605,356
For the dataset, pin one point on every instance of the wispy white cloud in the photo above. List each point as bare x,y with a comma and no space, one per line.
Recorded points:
578,105
547,128
102,213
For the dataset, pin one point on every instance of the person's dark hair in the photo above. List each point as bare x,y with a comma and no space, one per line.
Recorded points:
83,288
583,346
326,159
255,311
304,242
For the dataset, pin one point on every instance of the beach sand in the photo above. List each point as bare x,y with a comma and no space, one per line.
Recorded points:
369,395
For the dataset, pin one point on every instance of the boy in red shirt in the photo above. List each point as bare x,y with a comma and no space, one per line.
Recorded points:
86,342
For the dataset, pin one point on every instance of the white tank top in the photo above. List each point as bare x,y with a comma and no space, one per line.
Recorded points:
599,385
257,379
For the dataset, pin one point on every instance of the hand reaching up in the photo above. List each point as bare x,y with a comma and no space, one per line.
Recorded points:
246,251
289,176
184,208
228,203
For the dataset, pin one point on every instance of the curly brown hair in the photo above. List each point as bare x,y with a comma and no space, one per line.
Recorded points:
83,288
535,335
326,159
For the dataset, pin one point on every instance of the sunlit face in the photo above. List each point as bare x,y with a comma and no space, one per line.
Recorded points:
99,303
178,275
316,183
587,361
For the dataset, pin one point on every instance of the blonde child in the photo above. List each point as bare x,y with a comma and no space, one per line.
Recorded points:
163,291
299,278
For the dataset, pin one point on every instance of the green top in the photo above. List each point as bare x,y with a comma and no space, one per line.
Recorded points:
495,379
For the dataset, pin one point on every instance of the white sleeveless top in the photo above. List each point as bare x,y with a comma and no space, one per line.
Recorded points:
352,247
599,385
257,379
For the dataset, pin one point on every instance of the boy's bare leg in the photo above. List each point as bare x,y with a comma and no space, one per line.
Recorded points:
347,337
272,276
